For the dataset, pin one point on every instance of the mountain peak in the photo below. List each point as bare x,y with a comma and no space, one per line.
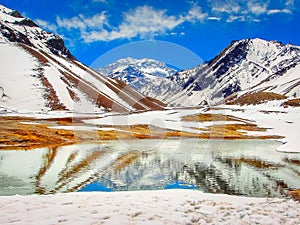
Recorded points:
148,76
144,65
244,64
37,63
10,12
18,29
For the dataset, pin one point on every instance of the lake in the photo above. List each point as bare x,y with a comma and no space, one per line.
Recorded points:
237,167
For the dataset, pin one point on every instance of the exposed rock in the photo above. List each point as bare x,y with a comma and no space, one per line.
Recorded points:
16,14
57,47
14,36
26,22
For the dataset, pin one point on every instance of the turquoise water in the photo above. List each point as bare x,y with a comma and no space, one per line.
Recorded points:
248,167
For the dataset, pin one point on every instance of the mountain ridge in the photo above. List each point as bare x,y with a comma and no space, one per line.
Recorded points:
40,74
148,76
246,64
57,81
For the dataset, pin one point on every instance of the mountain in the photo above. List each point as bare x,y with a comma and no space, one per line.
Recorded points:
38,73
148,76
247,65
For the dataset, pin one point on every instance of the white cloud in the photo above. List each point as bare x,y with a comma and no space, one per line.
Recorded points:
286,11
247,10
256,20
257,8
195,14
81,22
225,6
232,18
72,23
290,3
276,11
46,25
145,22
214,18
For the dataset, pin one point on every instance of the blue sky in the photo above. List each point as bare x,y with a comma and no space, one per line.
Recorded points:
92,28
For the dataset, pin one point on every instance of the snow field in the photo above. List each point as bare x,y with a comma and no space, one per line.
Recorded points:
146,207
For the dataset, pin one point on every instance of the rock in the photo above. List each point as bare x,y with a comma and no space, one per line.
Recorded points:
16,14
57,47
26,22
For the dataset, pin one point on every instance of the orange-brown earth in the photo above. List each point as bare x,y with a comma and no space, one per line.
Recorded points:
24,133
255,98
295,194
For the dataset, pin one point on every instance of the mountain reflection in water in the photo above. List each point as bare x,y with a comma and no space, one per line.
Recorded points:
248,167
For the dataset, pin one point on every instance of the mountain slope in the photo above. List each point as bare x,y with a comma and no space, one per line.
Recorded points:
148,76
245,65
39,74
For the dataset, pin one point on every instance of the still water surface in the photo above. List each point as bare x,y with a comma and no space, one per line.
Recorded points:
247,167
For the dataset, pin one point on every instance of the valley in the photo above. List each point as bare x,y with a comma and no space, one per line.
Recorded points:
228,129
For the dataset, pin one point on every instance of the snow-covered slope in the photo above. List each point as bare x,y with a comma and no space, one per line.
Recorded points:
245,65
148,76
16,28
38,73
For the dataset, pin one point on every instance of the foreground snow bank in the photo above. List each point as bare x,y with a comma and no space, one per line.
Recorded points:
146,207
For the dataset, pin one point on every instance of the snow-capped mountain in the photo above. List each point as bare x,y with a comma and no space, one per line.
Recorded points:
145,65
245,65
148,76
16,28
38,73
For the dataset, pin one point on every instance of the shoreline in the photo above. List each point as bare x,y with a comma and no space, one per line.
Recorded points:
27,133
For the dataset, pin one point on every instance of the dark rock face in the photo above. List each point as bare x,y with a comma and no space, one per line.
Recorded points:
244,64
16,14
188,83
235,56
14,36
55,44
57,47
232,88
26,22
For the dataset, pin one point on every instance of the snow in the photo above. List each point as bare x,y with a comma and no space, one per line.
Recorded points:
148,76
256,65
36,35
18,81
19,71
278,120
53,76
4,15
168,119
74,128
146,207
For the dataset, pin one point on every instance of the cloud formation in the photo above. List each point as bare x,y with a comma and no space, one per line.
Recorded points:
83,23
143,22
147,22
248,10
45,24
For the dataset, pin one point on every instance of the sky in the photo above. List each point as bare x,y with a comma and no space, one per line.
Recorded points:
101,29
